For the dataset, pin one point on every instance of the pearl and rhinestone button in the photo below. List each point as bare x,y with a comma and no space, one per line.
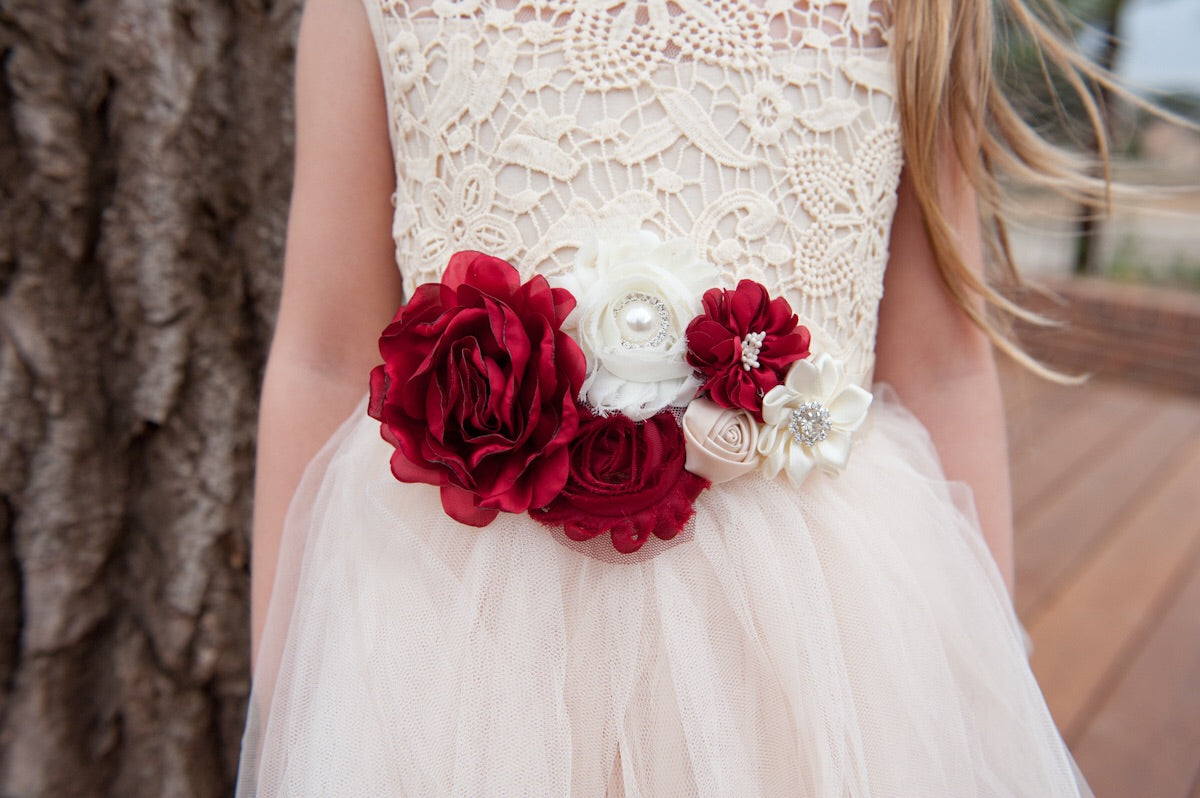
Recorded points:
643,321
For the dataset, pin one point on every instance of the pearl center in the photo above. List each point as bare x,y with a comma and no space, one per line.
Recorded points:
638,319
643,321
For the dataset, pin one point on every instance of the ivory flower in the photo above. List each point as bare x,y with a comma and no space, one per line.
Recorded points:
810,420
721,443
636,295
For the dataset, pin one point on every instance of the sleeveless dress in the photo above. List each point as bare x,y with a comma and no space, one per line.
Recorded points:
847,637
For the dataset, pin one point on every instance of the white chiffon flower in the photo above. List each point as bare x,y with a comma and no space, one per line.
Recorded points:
635,296
810,420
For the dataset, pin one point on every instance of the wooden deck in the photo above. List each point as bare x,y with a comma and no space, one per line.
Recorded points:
1106,484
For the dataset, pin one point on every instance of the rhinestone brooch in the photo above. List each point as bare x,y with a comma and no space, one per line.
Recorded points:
809,424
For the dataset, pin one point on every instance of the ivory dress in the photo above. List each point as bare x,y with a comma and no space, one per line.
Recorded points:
848,637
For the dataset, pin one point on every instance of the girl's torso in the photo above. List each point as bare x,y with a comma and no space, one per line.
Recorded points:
766,133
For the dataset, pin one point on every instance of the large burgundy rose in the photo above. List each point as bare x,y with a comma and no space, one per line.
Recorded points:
743,343
627,478
477,389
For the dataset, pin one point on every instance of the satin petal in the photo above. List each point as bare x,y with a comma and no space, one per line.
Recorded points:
775,404
405,470
379,388
804,379
460,505
799,464
850,407
834,450
830,376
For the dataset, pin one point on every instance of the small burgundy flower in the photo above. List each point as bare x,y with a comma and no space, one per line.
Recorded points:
477,389
743,343
626,478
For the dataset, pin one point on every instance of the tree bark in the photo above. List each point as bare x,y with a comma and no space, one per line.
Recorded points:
145,160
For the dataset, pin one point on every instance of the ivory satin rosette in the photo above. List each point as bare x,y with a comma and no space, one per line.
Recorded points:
810,420
635,296
721,443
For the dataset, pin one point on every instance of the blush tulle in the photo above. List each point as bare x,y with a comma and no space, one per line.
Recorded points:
851,638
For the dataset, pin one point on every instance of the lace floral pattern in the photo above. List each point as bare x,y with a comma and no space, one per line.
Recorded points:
764,131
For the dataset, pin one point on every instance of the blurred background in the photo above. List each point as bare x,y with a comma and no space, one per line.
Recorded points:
145,162
1106,476
1151,45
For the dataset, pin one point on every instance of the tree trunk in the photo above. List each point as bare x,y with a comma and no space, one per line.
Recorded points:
145,160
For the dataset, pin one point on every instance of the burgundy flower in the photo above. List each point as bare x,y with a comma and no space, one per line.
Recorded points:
743,343
626,478
477,389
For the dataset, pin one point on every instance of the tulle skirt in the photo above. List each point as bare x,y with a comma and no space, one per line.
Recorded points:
852,638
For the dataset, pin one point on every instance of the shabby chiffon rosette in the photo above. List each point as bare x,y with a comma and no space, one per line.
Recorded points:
485,393
743,344
635,296
626,478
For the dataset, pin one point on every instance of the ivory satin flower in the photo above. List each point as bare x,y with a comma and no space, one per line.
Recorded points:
810,420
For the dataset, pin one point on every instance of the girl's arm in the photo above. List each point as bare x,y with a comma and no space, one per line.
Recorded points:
941,364
340,283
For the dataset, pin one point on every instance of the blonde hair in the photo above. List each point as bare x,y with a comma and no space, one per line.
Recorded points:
950,97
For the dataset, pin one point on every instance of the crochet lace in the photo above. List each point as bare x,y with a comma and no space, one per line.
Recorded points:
764,132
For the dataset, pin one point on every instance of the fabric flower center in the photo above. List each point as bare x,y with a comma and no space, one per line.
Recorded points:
809,424
751,345
643,321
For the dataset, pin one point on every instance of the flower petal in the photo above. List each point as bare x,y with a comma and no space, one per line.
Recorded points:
485,273
831,375
835,449
804,380
775,405
379,389
405,470
460,505
849,408
799,464
775,455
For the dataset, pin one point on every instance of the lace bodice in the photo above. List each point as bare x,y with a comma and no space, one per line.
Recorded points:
764,131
